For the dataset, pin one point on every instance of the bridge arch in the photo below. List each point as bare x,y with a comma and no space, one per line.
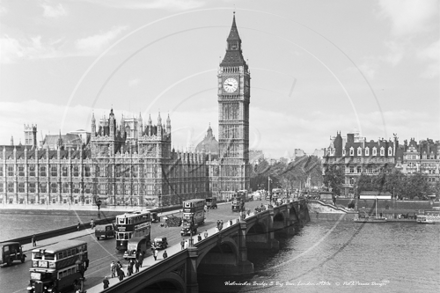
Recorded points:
225,246
170,282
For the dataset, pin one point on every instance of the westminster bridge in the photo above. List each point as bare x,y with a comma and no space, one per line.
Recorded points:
222,252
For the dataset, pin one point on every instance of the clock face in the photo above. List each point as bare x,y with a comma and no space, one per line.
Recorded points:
230,85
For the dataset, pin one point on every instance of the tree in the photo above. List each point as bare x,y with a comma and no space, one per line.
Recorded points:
334,178
416,185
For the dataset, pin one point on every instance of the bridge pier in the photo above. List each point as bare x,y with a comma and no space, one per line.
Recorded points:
244,266
192,285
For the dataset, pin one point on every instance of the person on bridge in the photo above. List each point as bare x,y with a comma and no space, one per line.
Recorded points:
136,265
205,234
34,241
182,244
141,259
155,253
105,282
199,237
113,269
92,224
165,254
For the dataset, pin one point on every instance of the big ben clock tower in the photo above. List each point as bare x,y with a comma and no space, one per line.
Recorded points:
233,106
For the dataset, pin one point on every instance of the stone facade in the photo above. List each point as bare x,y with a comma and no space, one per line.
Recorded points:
118,167
233,105
356,156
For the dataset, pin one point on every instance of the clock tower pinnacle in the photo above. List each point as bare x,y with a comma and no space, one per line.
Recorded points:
233,101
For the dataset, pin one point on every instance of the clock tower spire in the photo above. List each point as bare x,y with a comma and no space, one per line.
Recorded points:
233,106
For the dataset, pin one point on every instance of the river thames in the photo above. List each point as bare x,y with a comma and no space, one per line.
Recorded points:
326,256
331,256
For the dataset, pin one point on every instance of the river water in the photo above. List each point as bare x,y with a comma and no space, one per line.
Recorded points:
331,256
326,256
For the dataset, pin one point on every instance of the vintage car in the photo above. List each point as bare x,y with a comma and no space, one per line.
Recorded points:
211,202
11,251
159,243
107,230
155,217
136,246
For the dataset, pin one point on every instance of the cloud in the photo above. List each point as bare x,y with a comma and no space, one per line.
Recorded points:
53,11
95,44
12,49
408,16
151,4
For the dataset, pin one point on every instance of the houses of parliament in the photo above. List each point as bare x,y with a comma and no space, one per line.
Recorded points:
132,162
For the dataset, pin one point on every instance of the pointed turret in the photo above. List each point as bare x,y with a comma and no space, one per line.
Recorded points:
112,123
93,125
234,55
159,125
60,141
168,124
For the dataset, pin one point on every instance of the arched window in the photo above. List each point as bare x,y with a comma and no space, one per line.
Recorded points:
359,153
351,151
367,151
374,151
382,151
390,151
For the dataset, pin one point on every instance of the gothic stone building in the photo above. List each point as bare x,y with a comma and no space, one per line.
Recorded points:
126,164
233,106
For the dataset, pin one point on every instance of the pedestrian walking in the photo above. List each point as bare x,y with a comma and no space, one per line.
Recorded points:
105,282
119,265
34,241
130,268
221,225
121,274
77,226
165,254
205,234
182,244
141,259
136,266
92,224
113,269
218,224
199,237
155,253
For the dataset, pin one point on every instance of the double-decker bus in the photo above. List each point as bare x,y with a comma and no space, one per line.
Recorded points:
277,193
238,200
134,224
193,215
58,266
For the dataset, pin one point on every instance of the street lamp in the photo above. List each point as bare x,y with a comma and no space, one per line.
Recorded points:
98,204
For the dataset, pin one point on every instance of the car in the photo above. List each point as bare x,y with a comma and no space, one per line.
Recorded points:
107,230
155,217
160,242
137,246
11,251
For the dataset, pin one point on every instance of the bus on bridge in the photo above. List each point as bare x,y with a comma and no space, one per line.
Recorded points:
134,224
58,266
193,215
238,200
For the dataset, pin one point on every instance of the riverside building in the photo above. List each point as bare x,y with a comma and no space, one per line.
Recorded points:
355,156
125,164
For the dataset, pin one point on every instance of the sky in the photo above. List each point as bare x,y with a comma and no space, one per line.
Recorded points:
318,67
